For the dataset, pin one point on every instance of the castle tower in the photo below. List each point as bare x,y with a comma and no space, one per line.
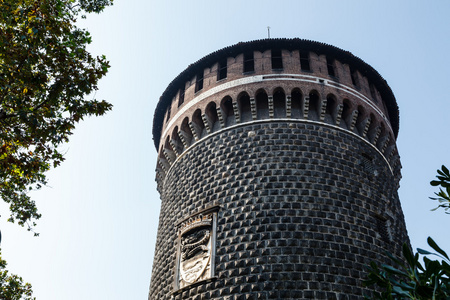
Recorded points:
278,174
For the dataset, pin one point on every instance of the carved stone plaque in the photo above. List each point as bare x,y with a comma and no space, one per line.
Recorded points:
196,240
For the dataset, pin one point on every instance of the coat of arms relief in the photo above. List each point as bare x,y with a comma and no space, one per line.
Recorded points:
196,249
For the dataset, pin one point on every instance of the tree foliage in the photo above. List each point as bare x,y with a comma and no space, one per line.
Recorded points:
444,190
12,286
409,278
46,73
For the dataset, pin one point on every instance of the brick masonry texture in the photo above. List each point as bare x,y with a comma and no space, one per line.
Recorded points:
304,208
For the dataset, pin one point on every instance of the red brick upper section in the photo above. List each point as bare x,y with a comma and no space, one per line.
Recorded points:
331,71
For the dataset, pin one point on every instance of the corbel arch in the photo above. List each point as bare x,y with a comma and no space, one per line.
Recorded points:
296,103
243,101
262,104
314,103
226,108
279,103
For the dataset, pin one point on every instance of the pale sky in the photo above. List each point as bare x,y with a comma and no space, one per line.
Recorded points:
101,208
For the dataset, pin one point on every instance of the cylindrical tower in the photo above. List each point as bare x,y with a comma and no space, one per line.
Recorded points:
278,173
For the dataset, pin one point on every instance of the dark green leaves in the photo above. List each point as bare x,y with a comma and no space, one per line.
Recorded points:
444,192
410,279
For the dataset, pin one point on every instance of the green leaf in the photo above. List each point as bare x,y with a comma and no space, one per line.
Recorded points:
393,270
400,291
445,170
425,252
433,245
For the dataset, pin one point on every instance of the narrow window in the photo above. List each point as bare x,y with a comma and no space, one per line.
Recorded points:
373,93
277,62
330,66
199,82
168,112
181,97
222,69
354,76
249,62
304,61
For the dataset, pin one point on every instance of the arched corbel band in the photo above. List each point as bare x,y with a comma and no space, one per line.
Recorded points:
311,108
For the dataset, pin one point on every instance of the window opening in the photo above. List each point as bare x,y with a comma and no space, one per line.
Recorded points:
330,66
277,62
199,82
354,77
222,70
304,61
249,62
181,96
168,112
373,93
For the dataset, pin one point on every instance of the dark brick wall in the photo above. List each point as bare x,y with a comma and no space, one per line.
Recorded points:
300,210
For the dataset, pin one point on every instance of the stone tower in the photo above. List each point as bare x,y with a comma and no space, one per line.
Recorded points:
278,174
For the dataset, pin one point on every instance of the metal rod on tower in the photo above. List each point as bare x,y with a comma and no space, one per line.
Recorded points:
268,31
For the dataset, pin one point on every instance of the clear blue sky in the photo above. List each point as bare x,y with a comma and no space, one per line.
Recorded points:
100,211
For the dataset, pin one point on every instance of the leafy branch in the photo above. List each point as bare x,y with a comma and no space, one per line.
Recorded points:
410,279
12,286
444,191
45,75
407,278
